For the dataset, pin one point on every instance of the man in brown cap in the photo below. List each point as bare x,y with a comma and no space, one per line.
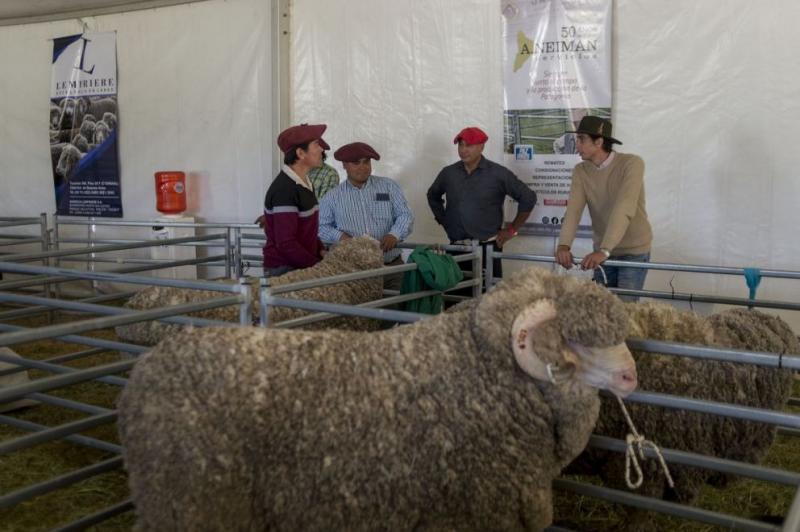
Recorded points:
475,190
366,204
612,185
291,211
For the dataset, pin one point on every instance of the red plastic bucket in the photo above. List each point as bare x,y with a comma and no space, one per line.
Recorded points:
170,192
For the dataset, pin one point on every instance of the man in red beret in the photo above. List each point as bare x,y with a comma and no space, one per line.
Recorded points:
467,197
366,204
291,211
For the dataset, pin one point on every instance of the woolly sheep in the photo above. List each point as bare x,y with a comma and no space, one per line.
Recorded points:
352,255
55,116
80,142
87,129
98,106
110,119
700,379
71,113
101,132
450,423
68,160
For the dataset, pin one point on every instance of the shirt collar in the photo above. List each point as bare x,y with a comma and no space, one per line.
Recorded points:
607,162
366,184
482,164
296,178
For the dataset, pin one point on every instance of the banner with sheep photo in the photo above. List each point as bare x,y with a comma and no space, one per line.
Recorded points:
556,70
83,125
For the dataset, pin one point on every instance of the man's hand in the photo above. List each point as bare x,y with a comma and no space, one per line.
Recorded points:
505,235
260,221
344,237
564,257
593,260
389,241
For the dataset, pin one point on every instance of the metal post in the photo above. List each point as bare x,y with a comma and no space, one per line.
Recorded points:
489,267
477,268
263,297
245,315
91,229
56,244
237,249
228,250
792,521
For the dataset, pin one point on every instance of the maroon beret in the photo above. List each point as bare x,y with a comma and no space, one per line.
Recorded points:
354,152
297,135
471,135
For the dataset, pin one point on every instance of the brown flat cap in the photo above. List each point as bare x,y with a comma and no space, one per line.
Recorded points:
471,135
297,135
354,152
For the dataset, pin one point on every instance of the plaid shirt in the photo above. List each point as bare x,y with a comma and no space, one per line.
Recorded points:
376,209
324,178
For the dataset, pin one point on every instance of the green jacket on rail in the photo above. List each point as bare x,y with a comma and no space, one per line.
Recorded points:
434,272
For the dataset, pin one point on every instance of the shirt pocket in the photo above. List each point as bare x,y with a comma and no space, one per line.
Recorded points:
382,207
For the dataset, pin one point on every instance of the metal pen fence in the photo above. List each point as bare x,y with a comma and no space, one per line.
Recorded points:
234,258
62,376
787,423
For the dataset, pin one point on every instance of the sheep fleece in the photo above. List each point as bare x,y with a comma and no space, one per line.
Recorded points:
727,382
430,426
350,256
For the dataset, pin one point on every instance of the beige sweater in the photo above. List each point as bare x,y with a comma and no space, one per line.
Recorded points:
615,195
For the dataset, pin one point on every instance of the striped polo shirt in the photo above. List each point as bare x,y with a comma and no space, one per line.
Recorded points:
291,223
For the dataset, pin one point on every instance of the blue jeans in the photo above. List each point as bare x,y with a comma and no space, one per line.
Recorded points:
621,277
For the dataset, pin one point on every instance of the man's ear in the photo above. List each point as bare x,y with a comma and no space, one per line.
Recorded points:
527,324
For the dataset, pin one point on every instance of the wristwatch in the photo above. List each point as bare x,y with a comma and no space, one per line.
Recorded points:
511,230
605,252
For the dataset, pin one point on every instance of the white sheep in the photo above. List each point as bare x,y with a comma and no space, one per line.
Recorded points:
110,120
726,382
457,422
101,132
353,255
67,161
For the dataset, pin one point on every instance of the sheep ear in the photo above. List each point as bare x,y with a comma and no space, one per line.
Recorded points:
524,328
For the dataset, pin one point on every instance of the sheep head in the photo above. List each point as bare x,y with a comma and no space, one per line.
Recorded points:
560,330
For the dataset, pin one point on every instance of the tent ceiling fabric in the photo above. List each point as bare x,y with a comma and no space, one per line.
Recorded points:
27,11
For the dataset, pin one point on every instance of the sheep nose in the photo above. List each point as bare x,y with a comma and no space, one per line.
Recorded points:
626,380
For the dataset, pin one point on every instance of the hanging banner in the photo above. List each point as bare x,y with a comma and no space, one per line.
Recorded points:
557,69
84,124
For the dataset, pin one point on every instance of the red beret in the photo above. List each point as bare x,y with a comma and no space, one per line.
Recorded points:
354,152
471,135
297,135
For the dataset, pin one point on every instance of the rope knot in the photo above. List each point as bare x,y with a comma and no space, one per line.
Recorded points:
635,444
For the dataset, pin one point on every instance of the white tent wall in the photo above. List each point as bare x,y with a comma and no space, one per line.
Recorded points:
195,94
703,91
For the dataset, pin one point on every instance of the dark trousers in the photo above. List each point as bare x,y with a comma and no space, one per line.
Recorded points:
466,266
277,270
394,281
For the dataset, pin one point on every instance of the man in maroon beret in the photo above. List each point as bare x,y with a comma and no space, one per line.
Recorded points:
366,204
467,197
291,211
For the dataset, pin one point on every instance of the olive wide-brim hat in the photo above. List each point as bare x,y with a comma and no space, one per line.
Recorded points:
594,125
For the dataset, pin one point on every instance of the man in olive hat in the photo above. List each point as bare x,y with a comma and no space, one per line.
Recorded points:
366,204
291,211
612,185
